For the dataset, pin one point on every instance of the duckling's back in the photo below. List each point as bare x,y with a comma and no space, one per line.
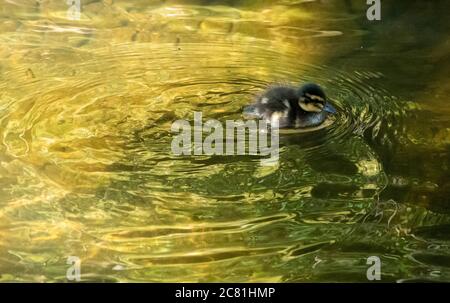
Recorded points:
276,102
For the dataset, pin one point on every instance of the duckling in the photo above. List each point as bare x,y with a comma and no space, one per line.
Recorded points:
292,108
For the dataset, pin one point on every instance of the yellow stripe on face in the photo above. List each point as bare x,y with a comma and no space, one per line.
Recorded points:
315,106
312,107
314,97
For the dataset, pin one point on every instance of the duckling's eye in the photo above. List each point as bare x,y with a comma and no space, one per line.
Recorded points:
305,100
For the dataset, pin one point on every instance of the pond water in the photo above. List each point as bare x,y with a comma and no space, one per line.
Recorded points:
86,167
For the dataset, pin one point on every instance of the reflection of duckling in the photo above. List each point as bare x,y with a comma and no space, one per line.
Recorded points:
293,108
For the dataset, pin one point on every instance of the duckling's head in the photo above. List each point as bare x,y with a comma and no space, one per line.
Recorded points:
312,99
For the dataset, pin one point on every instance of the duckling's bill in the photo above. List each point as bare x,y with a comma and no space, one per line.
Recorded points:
330,108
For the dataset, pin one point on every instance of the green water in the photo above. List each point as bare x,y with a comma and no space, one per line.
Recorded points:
86,167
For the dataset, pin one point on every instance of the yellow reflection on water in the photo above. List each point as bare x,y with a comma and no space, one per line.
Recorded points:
85,165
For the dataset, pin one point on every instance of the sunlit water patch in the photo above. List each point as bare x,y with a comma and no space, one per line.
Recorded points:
87,169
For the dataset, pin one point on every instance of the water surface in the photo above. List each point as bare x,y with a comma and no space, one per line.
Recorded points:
86,167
